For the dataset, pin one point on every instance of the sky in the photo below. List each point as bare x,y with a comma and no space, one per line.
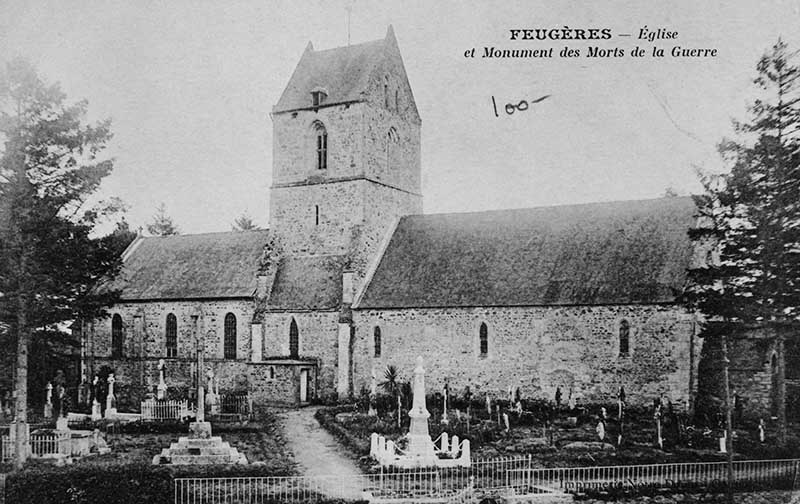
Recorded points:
189,86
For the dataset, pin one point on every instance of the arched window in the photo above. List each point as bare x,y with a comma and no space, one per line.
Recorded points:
229,342
316,215
321,136
391,146
377,341
397,99
294,340
172,336
483,335
116,336
624,338
386,91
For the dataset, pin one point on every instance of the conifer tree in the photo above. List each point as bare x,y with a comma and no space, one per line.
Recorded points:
162,224
49,260
750,217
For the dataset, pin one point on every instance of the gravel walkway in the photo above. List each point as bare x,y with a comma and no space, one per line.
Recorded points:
319,455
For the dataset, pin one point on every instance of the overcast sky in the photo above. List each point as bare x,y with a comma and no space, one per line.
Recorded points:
189,86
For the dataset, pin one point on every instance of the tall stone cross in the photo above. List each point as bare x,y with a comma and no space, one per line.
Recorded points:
201,412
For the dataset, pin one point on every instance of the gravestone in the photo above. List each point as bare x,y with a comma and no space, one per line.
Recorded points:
161,390
97,414
48,405
111,400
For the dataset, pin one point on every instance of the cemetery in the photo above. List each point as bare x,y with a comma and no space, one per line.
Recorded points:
557,432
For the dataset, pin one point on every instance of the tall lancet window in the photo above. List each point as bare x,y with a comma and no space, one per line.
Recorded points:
171,336
116,336
377,341
294,340
483,339
624,338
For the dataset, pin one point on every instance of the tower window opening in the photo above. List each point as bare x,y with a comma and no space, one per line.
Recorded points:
322,146
316,215
317,98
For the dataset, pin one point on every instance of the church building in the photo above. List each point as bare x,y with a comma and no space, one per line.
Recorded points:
352,276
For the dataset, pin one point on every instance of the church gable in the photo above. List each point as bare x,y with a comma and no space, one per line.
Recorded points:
629,252
341,74
371,71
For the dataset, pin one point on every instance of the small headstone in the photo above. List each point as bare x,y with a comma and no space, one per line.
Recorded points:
761,430
48,405
601,430
161,390
505,422
111,400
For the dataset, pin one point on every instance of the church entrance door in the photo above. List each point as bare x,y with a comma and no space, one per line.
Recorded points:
303,386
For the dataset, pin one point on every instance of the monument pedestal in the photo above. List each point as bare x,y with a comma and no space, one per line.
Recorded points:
196,451
200,430
96,413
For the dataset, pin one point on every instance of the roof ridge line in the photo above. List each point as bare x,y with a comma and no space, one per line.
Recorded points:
558,205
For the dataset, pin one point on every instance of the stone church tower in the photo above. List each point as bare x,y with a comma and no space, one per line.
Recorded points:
346,152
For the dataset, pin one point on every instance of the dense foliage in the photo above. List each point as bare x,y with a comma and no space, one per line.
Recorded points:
750,217
50,259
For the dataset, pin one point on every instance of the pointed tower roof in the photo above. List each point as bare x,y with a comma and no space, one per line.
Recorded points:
342,73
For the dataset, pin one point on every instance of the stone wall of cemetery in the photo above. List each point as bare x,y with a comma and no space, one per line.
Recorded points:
536,349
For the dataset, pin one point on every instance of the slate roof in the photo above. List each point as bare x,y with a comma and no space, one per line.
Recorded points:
599,253
211,265
342,72
308,283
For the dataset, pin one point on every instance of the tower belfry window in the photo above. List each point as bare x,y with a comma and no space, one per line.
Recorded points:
386,91
321,135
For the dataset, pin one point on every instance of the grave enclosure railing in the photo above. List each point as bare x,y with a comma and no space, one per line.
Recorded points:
158,410
748,474
512,476
41,445
389,485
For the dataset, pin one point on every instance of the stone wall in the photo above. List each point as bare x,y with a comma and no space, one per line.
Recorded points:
354,216
318,332
144,343
536,349
754,360
278,382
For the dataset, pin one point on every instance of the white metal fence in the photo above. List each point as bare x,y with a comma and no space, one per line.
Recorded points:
155,410
755,473
418,485
40,445
508,477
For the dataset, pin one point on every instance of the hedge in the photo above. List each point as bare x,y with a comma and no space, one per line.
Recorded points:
116,483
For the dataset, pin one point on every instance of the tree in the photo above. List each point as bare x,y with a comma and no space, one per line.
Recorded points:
162,224
750,217
244,223
49,262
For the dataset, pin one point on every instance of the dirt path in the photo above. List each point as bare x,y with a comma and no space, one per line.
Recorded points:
319,455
